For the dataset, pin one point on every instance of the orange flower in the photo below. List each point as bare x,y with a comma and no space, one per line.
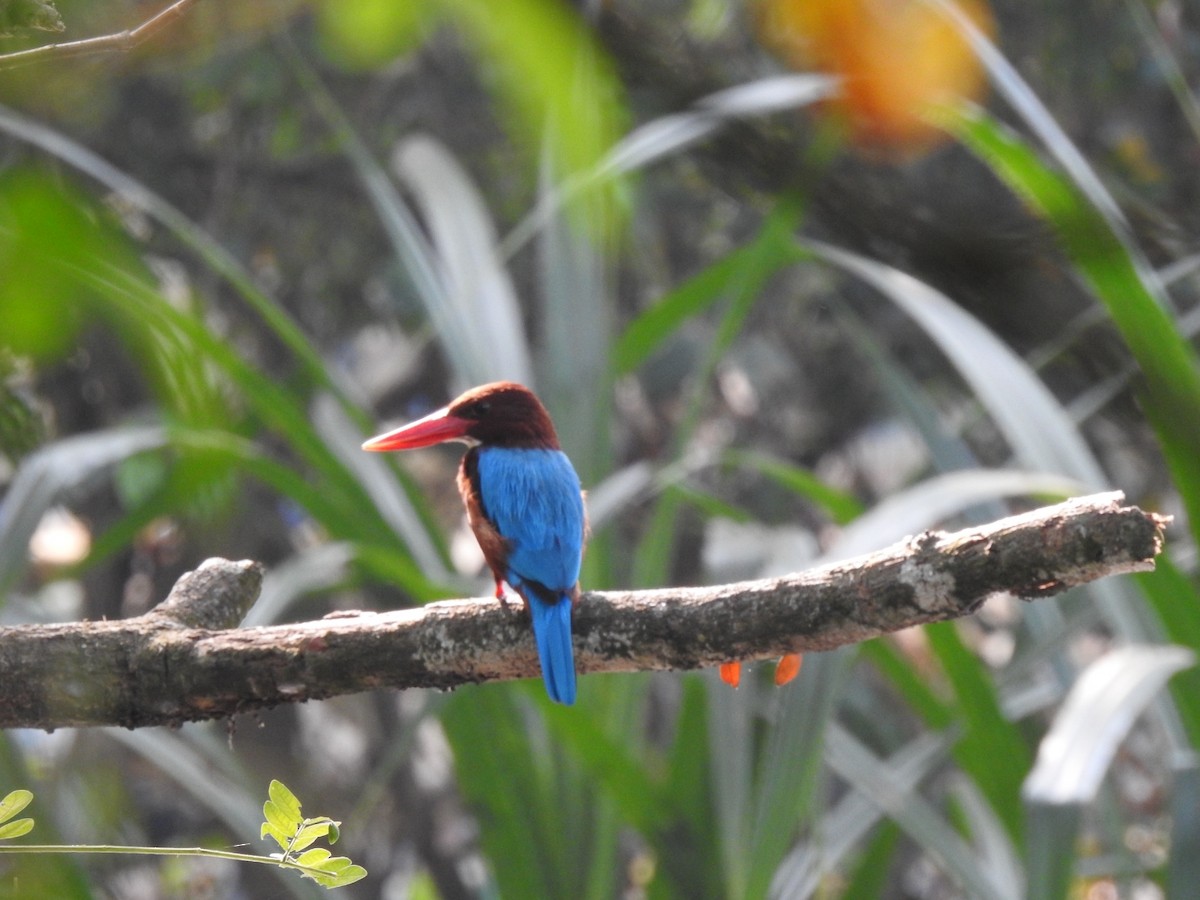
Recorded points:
787,669
898,60
731,673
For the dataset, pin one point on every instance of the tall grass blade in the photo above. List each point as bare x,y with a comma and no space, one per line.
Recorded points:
185,230
673,133
1099,711
1169,364
790,761
992,749
481,314
540,809
997,852
731,752
1043,437
1172,596
940,498
1020,96
619,490
1041,433
576,326
767,253
1183,869
855,764
1076,753
317,569
1051,830
842,829
410,244
46,475
339,434
839,505
690,851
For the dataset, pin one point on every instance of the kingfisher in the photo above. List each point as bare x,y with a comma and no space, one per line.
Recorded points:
524,504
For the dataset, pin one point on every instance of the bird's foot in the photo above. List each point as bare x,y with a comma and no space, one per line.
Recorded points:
500,595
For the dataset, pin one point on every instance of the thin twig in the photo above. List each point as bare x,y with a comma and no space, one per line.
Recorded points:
120,42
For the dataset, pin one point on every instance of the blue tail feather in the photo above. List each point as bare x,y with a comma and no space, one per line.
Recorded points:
552,632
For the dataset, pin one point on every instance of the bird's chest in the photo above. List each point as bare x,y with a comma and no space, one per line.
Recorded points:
528,495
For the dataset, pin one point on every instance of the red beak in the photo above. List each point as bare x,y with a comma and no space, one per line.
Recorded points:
433,429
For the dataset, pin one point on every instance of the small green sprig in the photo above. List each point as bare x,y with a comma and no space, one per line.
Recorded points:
9,807
295,836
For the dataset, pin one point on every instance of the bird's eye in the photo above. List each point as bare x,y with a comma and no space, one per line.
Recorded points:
474,411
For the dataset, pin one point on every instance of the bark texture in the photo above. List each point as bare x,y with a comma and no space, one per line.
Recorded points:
186,659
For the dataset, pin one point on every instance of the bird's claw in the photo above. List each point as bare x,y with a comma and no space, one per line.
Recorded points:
501,597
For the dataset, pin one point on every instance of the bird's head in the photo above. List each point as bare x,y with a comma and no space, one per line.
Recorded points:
501,414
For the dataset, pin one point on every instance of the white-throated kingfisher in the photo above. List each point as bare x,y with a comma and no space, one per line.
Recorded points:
524,504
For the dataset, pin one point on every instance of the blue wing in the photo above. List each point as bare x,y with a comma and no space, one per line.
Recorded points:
533,498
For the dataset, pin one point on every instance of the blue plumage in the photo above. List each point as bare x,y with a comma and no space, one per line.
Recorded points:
552,633
532,496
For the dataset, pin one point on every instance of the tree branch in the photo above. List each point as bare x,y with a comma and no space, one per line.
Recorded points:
184,660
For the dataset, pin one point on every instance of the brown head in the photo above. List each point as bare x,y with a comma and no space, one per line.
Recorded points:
500,414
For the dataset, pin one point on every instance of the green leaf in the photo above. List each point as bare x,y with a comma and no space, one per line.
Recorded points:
872,872
1051,831
284,800
1038,429
348,875
839,505
690,854
915,690
14,802
363,34
279,817
922,821
15,828
744,270
1174,598
282,838
308,835
710,505
768,252
991,750
313,858
477,318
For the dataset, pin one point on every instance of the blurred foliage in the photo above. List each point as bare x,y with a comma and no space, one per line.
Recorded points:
896,62
565,93
17,16
774,335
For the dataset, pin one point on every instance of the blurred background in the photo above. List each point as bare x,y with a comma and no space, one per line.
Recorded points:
796,278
